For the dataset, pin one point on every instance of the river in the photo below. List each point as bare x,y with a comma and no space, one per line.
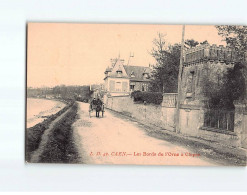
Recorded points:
38,109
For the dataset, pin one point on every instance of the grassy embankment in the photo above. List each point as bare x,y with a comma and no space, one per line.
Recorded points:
34,134
60,147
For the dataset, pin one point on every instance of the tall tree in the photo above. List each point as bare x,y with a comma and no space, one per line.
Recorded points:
165,73
236,38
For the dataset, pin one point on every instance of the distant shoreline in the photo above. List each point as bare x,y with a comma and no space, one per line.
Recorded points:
38,109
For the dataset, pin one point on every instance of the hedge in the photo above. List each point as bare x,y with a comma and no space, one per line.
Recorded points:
148,97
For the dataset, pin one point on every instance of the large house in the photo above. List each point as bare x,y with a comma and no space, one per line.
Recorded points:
123,79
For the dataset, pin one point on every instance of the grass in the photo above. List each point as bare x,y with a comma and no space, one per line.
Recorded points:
34,134
60,147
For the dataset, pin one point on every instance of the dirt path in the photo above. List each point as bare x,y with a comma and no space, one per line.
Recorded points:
114,140
45,137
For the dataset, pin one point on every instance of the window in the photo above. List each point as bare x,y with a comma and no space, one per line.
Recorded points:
124,86
118,86
190,84
112,85
119,73
132,87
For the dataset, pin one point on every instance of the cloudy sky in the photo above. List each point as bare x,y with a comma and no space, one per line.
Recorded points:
77,54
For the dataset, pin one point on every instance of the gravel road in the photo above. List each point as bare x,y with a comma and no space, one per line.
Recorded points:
117,140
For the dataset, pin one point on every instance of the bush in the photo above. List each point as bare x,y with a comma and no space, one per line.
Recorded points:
148,97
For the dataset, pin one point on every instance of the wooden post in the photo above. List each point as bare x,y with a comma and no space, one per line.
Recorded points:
179,83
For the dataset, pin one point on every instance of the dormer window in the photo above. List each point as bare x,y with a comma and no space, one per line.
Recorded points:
119,73
145,75
132,74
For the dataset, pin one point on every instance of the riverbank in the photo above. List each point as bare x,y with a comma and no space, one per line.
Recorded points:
57,143
34,134
38,109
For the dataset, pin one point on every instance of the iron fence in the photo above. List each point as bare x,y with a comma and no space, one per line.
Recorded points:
219,119
170,100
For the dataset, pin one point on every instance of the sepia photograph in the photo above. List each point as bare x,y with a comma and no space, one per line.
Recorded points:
136,94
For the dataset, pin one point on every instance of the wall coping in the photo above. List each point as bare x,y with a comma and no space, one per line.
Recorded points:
147,104
189,106
119,96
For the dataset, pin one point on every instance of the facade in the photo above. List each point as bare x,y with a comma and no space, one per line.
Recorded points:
121,80
206,65
227,127
202,64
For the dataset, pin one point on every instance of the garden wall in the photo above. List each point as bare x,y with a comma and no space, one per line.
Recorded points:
191,123
191,119
148,114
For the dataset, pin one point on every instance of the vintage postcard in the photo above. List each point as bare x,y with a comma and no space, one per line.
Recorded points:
136,94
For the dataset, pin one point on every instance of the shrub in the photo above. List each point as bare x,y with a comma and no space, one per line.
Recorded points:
148,97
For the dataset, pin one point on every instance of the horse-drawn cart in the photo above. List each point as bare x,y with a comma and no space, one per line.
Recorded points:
98,107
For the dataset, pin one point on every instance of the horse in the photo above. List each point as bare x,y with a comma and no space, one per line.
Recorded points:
99,107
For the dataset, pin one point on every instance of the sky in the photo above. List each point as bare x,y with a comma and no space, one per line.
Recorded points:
78,54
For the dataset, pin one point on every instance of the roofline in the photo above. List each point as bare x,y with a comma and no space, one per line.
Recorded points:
116,77
138,66
138,80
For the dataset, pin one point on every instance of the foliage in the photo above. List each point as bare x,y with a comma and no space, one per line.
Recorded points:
190,43
34,134
233,83
148,97
60,146
80,93
236,38
204,42
221,94
165,72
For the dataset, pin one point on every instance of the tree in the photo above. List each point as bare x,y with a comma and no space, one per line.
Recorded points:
236,38
204,42
190,43
220,93
165,73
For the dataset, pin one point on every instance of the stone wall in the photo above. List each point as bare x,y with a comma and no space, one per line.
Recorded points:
148,114
191,119
240,126
191,124
244,136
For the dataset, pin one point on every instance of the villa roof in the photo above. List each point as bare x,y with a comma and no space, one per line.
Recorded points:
137,72
134,73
